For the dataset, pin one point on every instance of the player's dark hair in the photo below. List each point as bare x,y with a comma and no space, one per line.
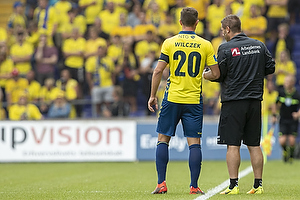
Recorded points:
233,22
189,16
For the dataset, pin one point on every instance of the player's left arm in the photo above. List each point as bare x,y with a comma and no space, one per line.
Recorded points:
212,73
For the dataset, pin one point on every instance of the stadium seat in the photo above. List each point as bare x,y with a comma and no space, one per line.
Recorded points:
296,37
297,46
298,79
295,29
295,56
297,63
87,109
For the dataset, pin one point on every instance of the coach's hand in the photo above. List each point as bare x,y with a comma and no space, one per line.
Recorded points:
152,102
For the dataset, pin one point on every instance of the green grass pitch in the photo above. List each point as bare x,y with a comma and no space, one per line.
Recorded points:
110,180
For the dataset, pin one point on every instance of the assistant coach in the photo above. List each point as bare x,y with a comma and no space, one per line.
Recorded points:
243,62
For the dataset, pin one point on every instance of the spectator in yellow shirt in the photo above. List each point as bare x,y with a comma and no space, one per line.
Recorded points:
168,28
13,86
163,5
215,13
48,93
269,97
110,17
92,44
68,85
21,54
176,10
33,33
217,41
114,51
46,18
6,67
91,9
282,41
277,14
211,91
154,15
284,67
200,5
74,20
124,30
3,35
121,5
33,89
141,29
237,7
142,47
249,3
24,110
73,50
71,89
17,17
256,25
62,7
2,110
99,75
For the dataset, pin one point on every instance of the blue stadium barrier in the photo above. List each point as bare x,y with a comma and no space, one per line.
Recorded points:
147,139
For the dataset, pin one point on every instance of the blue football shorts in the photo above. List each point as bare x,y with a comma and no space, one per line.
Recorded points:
191,116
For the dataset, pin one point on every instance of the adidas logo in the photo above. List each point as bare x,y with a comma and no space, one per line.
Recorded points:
192,36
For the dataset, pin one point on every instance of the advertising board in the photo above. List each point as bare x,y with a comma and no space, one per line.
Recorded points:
60,141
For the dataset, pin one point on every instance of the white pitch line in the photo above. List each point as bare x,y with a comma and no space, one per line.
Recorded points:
223,185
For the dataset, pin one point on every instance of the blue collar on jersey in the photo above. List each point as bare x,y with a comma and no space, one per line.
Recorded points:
187,32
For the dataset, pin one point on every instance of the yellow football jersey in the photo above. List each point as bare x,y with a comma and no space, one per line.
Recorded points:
277,11
187,54
91,11
17,50
91,46
33,90
269,98
14,87
70,88
6,68
199,5
28,112
3,34
101,71
109,20
46,18
49,95
62,8
254,24
71,46
17,19
283,69
214,16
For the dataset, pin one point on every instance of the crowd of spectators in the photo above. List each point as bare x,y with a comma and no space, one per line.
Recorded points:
58,56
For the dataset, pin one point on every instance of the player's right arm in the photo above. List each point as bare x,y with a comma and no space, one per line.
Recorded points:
156,77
